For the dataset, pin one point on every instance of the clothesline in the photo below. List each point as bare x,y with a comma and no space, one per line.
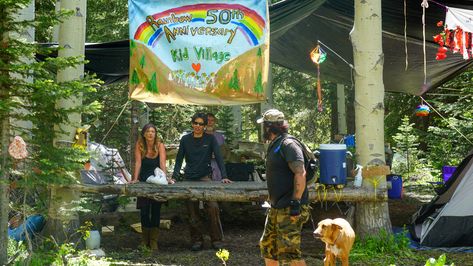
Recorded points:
439,4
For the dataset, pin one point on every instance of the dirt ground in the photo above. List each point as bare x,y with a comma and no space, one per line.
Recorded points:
243,224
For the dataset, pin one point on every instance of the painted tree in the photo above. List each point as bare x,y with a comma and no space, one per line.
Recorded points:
259,84
135,80
234,81
142,61
366,38
152,85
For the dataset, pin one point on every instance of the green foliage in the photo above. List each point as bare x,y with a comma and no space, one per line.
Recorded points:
406,144
397,106
107,20
226,123
16,251
385,245
30,85
295,95
115,96
441,261
171,120
454,100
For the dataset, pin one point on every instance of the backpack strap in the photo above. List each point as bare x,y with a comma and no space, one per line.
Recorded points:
278,148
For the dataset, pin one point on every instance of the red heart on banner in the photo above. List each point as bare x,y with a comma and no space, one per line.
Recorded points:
196,67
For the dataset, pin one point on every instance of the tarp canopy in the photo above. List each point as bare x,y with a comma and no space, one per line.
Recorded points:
297,25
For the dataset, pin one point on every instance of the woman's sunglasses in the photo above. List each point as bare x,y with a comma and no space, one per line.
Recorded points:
198,124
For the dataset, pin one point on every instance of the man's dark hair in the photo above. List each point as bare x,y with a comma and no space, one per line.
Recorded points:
199,115
277,128
211,115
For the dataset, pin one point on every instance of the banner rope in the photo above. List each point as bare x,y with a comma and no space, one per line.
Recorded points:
115,122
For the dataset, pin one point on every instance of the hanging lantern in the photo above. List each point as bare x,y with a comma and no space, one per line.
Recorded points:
422,110
318,56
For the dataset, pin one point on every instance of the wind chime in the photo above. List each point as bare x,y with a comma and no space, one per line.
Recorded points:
318,56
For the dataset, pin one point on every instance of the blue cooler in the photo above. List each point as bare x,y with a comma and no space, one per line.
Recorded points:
395,192
333,166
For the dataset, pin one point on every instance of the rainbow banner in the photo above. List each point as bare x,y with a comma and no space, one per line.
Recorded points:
211,53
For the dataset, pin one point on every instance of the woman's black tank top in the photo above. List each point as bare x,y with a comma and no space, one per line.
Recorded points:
147,167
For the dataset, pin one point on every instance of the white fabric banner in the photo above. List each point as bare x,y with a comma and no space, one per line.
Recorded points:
459,17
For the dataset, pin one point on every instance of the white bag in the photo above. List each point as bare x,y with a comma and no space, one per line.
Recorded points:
159,178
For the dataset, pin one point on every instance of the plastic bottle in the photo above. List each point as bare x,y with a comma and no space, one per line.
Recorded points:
358,176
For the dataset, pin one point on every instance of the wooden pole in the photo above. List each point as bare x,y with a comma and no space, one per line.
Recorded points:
368,56
341,110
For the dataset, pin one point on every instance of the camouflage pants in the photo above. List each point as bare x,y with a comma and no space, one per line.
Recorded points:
281,238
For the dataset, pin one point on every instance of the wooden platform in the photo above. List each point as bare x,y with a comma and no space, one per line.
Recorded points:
216,191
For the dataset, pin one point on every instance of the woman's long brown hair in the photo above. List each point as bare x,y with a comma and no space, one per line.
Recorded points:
142,140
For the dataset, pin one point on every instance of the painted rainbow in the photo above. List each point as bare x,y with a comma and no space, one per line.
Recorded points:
252,24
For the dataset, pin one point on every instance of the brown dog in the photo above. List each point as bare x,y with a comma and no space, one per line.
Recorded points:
338,237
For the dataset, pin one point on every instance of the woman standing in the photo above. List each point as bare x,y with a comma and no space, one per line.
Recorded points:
149,154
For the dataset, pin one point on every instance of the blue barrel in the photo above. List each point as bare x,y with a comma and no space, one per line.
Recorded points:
395,192
333,166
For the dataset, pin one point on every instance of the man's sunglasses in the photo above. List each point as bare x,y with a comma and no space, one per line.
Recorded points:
198,124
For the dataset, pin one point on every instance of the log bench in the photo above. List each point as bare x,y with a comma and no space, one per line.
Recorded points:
234,192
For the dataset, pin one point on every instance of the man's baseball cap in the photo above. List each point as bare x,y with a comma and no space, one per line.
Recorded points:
272,115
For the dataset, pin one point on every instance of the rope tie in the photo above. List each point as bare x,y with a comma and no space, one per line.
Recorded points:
375,181
338,197
424,4
324,198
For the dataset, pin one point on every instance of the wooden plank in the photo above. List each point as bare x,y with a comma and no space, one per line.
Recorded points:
236,192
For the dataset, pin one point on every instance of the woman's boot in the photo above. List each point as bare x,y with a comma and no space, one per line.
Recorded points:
145,236
153,239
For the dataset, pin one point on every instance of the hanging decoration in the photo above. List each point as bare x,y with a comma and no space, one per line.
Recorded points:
318,56
422,109
457,33
17,148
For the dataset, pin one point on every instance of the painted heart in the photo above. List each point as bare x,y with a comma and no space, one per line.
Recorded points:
196,67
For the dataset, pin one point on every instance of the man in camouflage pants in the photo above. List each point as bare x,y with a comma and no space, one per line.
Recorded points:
288,196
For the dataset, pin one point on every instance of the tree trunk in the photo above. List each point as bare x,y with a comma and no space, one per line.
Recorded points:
366,38
63,222
134,132
4,207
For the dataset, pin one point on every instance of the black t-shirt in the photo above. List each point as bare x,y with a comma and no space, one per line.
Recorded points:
198,153
279,176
